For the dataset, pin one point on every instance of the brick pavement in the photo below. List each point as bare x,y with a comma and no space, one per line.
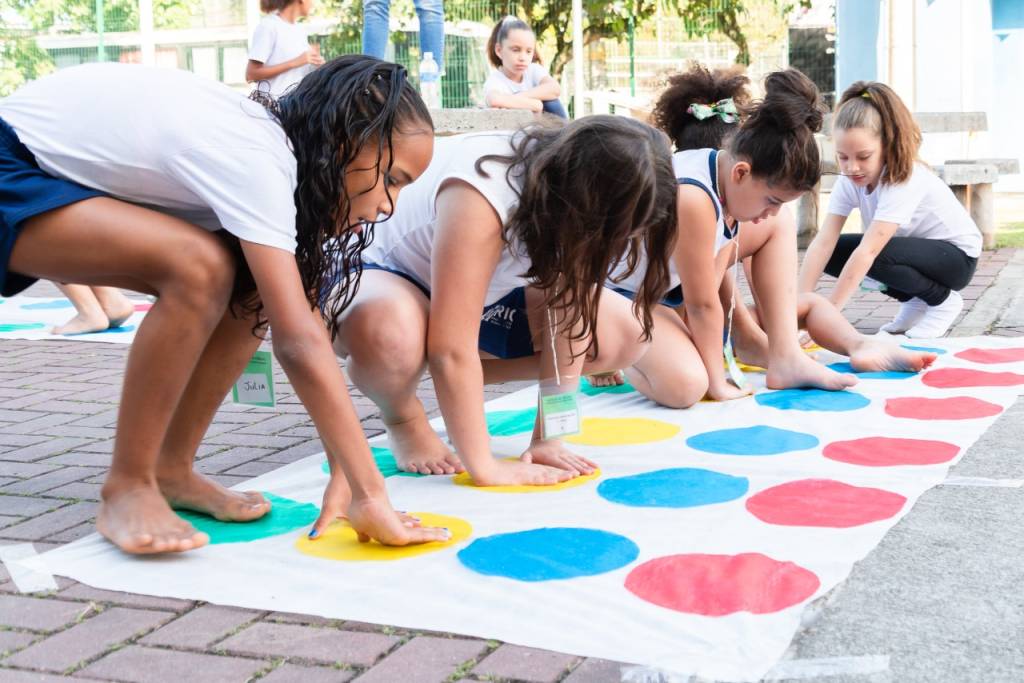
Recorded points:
57,414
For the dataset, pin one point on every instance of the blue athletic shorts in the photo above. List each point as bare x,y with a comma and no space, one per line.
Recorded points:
673,299
26,191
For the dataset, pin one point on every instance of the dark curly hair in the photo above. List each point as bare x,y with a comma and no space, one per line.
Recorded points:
329,117
700,85
591,193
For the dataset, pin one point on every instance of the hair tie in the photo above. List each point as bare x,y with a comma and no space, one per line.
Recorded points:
724,109
866,95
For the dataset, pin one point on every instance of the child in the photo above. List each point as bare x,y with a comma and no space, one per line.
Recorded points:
98,308
280,53
920,243
518,80
231,225
548,209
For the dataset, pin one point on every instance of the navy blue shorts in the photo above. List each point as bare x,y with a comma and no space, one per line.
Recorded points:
673,299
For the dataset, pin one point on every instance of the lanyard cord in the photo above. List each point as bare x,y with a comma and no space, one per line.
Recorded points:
554,351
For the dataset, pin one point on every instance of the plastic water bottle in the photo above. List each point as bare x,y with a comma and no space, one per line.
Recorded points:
430,81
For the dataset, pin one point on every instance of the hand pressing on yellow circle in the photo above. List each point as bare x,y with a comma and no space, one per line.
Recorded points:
552,452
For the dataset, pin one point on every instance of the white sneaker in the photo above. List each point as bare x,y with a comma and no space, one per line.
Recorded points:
938,319
909,314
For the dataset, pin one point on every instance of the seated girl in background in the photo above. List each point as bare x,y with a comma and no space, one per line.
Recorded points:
920,243
518,80
491,270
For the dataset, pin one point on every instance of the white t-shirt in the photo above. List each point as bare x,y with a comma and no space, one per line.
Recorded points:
276,41
164,138
923,206
405,241
498,82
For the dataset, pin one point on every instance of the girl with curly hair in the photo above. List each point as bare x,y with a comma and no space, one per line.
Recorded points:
232,214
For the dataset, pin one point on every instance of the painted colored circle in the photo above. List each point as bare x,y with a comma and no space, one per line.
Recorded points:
812,400
758,440
824,503
340,542
285,515
955,378
590,390
549,553
883,451
48,305
463,479
717,585
885,374
622,431
18,327
990,356
680,487
115,330
385,461
925,349
510,422
143,307
953,408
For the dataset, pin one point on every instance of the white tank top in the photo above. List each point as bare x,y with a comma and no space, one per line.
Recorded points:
404,242
692,167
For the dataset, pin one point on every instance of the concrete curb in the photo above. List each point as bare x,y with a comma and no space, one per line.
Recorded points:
1001,305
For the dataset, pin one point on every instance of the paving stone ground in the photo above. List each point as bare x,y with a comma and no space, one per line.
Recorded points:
58,404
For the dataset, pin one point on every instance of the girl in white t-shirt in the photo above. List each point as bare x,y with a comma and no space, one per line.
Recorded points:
279,52
518,80
491,270
920,243
231,224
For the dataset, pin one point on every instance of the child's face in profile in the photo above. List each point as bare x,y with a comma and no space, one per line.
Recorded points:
859,152
372,189
750,198
306,7
516,52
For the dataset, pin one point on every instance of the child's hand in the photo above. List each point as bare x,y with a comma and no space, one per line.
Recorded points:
374,518
337,497
521,473
553,453
310,56
728,391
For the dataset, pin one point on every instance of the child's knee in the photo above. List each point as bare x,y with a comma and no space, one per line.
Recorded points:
378,333
202,272
684,390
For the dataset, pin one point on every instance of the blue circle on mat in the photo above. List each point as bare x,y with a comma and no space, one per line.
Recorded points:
510,422
116,330
680,487
589,389
385,461
884,374
759,440
18,326
812,399
48,305
549,553
925,349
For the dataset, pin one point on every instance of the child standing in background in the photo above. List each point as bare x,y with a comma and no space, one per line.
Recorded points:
519,81
919,241
279,52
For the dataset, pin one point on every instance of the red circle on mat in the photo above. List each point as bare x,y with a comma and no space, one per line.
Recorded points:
716,585
825,503
953,408
143,307
949,378
992,355
883,451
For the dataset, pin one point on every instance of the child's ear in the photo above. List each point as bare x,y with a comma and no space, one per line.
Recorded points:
740,171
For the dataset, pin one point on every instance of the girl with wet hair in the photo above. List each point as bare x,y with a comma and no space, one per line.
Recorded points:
232,214
920,243
492,270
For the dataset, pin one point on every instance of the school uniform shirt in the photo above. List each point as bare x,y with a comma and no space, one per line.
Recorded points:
923,206
697,167
276,41
404,242
499,83
166,139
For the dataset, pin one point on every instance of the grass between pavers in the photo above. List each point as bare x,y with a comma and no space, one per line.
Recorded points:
1010,235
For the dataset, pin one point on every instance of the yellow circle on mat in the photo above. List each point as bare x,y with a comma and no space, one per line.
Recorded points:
339,541
622,431
463,479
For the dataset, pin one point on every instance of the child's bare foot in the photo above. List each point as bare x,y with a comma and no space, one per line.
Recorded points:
875,355
84,323
417,448
118,309
137,519
799,370
607,379
195,492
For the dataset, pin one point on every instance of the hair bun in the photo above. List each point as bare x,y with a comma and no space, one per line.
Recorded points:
791,101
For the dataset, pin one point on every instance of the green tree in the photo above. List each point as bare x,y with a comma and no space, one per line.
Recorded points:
704,17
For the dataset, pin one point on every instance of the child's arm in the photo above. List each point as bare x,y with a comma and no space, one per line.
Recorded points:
467,248
302,347
875,238
258,71
547,89
820,251
695,260
501,100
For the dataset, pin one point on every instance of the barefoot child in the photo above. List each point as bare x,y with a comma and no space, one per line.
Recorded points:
231,225
518,80
546,209
920,243
279,52
97,308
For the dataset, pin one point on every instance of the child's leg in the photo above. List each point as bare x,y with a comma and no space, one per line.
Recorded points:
90,315
555,107
384,335
192,274
117,307
671,373
749,340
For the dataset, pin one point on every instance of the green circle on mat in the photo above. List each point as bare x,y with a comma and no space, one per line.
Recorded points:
590,390
17,327
385,463
285,515
511,422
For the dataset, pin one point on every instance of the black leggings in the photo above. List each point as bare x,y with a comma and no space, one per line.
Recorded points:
911,267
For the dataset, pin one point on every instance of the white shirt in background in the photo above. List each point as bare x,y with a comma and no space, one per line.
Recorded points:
276,41
499,83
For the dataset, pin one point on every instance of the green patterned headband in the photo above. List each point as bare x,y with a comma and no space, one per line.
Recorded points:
724,109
